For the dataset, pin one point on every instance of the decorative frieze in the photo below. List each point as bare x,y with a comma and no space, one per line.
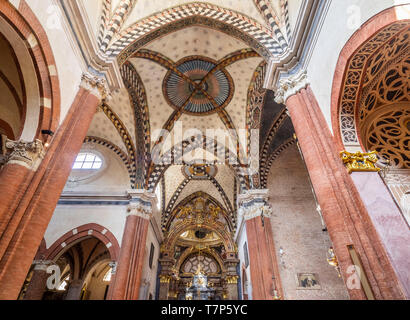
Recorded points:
359,162
27,154
290,86
397,176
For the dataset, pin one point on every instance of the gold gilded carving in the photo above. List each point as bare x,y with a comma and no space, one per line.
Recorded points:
164,278
359,162
232,279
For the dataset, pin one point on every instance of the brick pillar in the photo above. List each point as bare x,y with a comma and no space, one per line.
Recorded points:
14,180
38,282
345,215
27,220
74,290
265,276
129,271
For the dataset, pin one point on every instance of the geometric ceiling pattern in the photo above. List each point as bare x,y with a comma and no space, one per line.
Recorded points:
189,67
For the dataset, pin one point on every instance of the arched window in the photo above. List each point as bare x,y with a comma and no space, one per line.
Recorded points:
87,161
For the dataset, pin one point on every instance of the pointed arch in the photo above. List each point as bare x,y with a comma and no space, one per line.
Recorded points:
163,161
234,24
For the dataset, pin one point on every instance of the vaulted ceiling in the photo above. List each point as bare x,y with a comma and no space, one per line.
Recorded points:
189,67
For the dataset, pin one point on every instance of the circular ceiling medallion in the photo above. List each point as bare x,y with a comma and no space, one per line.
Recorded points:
198,86
199,171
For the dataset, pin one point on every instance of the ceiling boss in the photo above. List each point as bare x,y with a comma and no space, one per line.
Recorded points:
198,86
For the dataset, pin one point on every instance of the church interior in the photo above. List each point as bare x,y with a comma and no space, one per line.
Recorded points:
204,150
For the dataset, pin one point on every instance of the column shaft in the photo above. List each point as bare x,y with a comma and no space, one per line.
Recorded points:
129,271
37,285
74,290
263,263
21,236
345,215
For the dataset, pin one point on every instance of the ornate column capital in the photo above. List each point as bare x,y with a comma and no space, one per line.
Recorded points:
26,154
359,162
113,265
254,203
42,265
139,209
142,203
165,278
291,85
255,210
95,84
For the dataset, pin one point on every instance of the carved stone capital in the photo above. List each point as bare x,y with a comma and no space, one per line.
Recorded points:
96,85
113,266
254,203
27,154
290,86
42,265
256,210
139,209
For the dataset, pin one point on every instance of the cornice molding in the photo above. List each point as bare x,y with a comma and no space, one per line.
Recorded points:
296,58
290,86
84,40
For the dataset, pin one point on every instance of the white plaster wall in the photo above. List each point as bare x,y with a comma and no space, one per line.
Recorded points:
67,61
342,21
68,217
112,179
94,10
149,275
242,238
293,7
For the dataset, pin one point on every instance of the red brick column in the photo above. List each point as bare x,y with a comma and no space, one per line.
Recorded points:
127,281
14,180
21,236
38,282
129,271
265,277
344,213
74,289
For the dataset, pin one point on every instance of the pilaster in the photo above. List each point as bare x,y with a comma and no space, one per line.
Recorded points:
256,211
